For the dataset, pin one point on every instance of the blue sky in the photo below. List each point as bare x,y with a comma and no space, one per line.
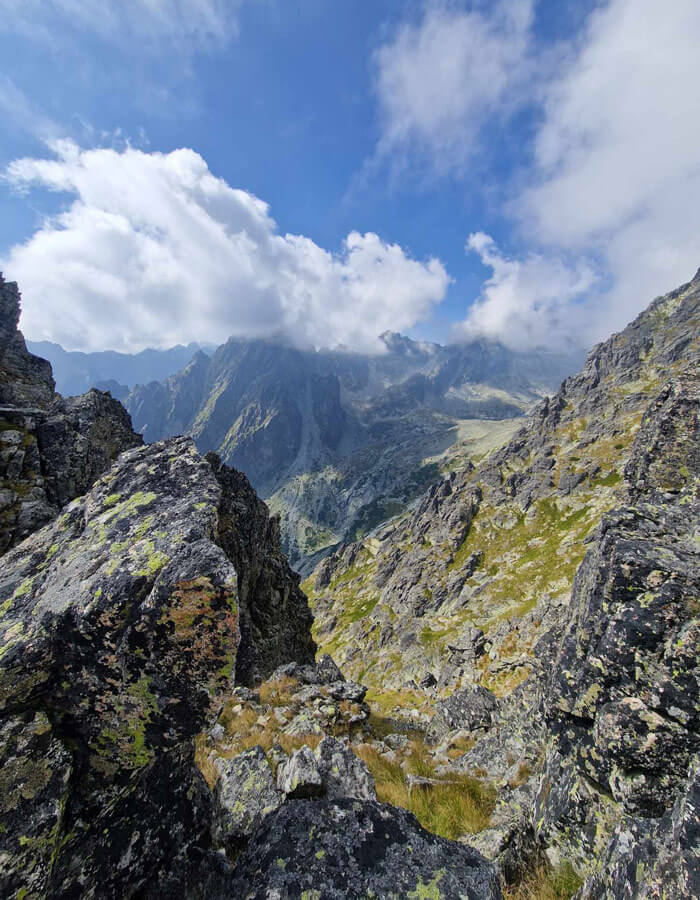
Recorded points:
427,125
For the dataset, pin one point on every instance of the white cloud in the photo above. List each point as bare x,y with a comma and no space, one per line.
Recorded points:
529,303
439,80
154,250
615,178
112,20
617,158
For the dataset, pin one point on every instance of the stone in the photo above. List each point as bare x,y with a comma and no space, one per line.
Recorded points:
350,848
244,793
466,710
342,772
300,776
119,637
52,449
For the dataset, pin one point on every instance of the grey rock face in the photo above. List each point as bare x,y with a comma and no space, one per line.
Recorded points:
275,619
300,777
25,380
51,449
650,859
79,438
466,710
121,625
349,849
342,772
624,699
244,793
119,639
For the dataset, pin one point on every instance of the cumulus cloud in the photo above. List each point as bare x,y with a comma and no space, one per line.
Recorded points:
439,80
615,178
617,162
529,303
153,250
172,20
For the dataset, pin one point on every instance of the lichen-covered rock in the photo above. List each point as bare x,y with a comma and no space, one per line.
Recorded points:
35,772
244,793
120,620
300,778
653,859
466,710
119,624
25,379
342,772
623,703
350,849
274,614
79,438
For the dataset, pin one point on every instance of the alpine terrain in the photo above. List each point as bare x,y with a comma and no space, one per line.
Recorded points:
488,690
337,442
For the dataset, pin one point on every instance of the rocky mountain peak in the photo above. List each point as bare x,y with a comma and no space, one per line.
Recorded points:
25,380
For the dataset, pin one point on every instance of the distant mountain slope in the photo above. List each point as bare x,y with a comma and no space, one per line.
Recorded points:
77,372
339,441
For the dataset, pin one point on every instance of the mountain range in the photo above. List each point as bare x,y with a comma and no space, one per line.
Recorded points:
335,441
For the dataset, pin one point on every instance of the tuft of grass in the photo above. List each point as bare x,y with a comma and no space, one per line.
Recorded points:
460,805
278,693
543,883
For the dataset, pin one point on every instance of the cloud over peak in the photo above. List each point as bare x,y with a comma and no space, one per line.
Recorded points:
529,303
153,250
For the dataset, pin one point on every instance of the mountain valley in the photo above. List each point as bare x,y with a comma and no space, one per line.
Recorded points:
490,690
337,442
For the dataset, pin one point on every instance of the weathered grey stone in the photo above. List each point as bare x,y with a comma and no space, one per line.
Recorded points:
350,849
244,793
300,777
121,628
466,710
51,449
342,772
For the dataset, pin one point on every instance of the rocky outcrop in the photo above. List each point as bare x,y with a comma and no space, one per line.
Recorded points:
119,638
275,620
623,704
349,848
25,380
471,709
120,634
51,449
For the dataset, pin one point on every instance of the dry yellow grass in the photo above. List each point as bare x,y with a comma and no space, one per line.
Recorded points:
278,693
544,884
459,806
